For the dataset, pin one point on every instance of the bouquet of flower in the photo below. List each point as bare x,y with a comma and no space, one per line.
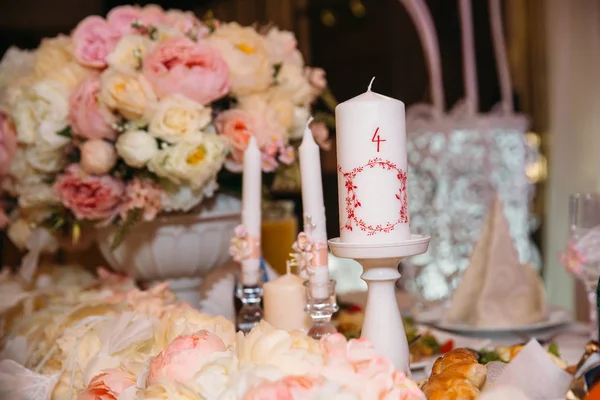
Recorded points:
143,112
103,340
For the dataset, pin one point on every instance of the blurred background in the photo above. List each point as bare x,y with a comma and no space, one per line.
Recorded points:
554,51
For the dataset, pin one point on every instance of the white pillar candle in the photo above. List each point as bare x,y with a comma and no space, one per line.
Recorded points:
251,211
314,207
371,156
284,300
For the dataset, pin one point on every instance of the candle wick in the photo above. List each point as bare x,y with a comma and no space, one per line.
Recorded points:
310,119
370,84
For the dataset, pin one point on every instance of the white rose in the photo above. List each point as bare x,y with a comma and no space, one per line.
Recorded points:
130,51
129,94
177,117
180,198
15,65
194,163
244,51
292,82
136,148
19,233
164,32
301,116
214,376
97,157
41,112
45,158
282,47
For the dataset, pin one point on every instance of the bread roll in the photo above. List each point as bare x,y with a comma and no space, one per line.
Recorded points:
457,375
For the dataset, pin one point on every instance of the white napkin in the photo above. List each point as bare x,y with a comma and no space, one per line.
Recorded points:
532,375
496,290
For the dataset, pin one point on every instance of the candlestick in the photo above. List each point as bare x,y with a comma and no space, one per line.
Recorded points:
314,211
284,302
251,212
371,155
321,309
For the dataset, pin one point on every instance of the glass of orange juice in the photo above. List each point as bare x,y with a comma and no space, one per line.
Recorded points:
278,232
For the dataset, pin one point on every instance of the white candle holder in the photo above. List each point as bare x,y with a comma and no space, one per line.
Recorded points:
251,312
320,310
383,323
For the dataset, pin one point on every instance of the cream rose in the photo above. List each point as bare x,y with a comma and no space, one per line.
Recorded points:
130,94
177,117
293,84
136,148
165,389
130,51
33,195
53,54
19,232
41,113
194,163
244,51
282,47
70,75
301,116
14,66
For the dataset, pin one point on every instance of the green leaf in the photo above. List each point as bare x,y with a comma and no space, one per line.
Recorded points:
66,132
133,218
276,69
553,349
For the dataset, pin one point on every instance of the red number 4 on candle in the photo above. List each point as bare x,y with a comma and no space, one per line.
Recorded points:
377,139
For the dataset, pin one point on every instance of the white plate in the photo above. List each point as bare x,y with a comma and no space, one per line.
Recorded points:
556,317
442,337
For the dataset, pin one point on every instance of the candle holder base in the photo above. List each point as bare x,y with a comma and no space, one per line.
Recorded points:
383,323
320,310
251,312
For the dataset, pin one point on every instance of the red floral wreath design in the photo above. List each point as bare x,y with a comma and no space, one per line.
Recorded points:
352,201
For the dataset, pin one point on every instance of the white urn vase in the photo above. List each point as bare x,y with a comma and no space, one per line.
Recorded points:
180,248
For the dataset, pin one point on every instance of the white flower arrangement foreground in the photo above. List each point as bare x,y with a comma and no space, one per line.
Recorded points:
72,336
142,112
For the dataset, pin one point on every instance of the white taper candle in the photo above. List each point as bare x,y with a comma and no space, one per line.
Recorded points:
251,210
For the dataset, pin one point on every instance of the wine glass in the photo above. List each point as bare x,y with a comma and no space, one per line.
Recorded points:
582,257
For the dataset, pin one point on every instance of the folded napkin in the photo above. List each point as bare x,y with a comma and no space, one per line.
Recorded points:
496,290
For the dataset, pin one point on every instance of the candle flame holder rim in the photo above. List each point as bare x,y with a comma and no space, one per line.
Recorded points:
417,244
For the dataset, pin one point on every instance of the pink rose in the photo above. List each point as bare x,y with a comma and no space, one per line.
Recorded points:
121,18
195,70
8,143
97,156
107,386
321,135
93,40
91,119
89,197
181,359
238,126
316,78
287,388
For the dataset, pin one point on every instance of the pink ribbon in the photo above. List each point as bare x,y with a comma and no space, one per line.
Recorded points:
253,243
320,256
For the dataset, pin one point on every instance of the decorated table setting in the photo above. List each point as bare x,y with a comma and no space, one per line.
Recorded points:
154,134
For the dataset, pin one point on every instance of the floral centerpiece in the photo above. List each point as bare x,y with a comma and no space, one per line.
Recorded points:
100,339
143,112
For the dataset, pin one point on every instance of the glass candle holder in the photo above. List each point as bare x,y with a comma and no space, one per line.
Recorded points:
278,232
320,310
251,312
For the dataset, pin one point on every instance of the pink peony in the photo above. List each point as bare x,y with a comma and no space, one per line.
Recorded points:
93,40
184,356
107,386
316,78
143,195
89,197
121,18
287,388
91,119
8,143
238,126
195,70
